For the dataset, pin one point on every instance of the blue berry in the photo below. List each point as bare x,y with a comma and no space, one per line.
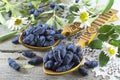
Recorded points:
64,67
57,7
28,39
63,7
36,13
36,61
52,5
9,13
83,71
15,40
49,64
30,5
28,54
76,1
71,47
13,64
91,64
59,36
41,10
68,58
31,11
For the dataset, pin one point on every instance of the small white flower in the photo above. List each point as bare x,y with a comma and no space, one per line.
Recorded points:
16,23
110,50
82,17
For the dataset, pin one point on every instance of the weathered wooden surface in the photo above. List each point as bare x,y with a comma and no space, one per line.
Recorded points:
36,73
8,49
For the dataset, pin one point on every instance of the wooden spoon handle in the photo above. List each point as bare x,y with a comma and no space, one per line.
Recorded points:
89,34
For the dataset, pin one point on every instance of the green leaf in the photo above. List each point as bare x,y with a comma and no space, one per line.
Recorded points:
117,29
47,12
103,59
96,44
70,18
110,32
2,19
108,6
103,37
50,22
114,42
61,21
58,26
118,51
114,36
7,36
74,8
105,28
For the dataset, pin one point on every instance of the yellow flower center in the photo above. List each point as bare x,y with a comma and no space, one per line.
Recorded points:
111,51
83,16
18,22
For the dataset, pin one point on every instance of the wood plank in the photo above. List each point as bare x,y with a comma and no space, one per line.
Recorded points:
36,73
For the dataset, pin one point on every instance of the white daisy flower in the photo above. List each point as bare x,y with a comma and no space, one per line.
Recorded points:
16,23
82,17
110,50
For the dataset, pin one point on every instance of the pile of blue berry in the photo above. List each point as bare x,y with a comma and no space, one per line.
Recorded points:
41,35
63,58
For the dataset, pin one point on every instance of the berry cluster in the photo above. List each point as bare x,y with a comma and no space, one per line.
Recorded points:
63,58
41,35
34,11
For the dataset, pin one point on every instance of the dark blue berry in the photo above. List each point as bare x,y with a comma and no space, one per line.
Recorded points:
57,7
64,67
76,59
57,55
41,41
13,64
28,54
52,5
41,10
76,1
83,71
71,47
58,31
50,32
28,39
59,36
31,11
63,7
15,40
68,58
91,64
45,57
30,5
9,13
36,13
49,64
36,61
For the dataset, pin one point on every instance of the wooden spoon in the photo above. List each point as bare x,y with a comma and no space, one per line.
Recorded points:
34,47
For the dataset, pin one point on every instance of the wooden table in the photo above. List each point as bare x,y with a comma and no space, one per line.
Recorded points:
8,49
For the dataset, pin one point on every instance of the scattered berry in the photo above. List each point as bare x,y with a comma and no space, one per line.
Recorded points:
15,40
91,64
28,54
83,71
30,5
36,61
13,64
41,10
9,13
76,1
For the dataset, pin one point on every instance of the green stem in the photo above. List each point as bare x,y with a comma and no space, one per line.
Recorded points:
7,36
